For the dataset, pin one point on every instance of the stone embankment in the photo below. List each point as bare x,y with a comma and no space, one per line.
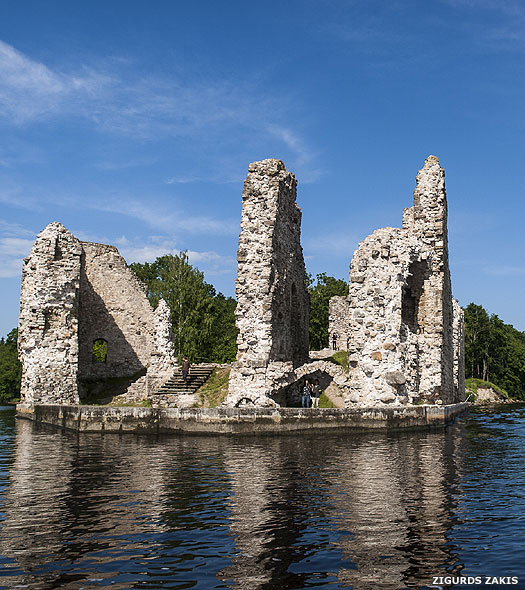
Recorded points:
238,420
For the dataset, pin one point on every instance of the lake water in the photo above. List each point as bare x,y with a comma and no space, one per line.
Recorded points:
361,511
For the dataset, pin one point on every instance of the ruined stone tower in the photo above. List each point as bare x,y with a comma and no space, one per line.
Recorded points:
272,299
399,320
77,295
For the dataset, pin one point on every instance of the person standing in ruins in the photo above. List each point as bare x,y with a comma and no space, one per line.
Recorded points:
334,341
316,394
306,396
185,368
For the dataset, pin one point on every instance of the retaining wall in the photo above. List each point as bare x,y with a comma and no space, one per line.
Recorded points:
237,420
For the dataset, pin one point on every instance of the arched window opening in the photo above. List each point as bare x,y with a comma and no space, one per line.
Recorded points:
100,351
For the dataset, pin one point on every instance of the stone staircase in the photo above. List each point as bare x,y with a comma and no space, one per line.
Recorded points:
198,376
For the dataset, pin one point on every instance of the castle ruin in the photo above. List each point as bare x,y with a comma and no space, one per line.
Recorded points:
399,320
400,326
272,300
86,326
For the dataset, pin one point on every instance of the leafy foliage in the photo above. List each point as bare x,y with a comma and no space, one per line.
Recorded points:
325,402
203,320
494,350
321,291
10,368
100,351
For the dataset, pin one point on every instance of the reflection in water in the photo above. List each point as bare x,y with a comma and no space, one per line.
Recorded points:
355,511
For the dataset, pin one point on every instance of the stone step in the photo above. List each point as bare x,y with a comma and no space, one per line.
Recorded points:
198,375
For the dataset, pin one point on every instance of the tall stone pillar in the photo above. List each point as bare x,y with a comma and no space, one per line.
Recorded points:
428,223
48,326
272,299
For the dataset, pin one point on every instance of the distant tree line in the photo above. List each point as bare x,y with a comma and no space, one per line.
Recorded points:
10,368
494,351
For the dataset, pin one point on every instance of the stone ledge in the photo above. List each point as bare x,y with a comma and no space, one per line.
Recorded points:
238,420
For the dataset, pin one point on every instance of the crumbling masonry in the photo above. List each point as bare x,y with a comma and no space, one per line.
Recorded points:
77,295
399,324
86,326
272,299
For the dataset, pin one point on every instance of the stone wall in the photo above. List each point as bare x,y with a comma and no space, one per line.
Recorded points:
48,326
272,300
398,320
74,294
459,351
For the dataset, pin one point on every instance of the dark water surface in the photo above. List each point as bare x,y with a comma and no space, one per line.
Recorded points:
360,511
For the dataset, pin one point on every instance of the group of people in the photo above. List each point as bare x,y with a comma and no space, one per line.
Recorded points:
311,394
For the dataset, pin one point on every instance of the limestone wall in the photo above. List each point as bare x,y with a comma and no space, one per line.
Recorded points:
73,294
338,321
48,327
404,340
113,307
272,300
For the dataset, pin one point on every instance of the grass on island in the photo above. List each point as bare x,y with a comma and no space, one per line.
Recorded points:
472,385
324,401
340,358
213,392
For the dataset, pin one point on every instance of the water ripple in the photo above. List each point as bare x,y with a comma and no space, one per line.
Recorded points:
360,511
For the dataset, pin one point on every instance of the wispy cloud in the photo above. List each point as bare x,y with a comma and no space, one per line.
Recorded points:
304,156
505,271
492,24
29,89
210,262
16,242
171,219
337,244
182,179
119,98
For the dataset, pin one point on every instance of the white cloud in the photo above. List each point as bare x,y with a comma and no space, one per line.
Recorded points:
15,244
182,179
159,217
209,262
505,270
304,156
213,263
29,89
119,99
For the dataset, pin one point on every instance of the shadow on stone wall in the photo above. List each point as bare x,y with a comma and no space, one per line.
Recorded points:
122,366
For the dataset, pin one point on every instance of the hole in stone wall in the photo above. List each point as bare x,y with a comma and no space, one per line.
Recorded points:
58,250
100,351
412,292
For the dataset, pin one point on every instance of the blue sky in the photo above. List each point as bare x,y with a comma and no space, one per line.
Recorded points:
133,123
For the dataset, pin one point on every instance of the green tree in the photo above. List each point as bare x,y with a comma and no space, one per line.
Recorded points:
477,333
321,292
10,367
494,351
203,320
